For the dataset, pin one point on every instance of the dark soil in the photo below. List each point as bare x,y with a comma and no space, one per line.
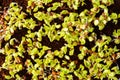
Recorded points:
56,45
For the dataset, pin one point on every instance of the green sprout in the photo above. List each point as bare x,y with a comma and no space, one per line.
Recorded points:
84,54
116,34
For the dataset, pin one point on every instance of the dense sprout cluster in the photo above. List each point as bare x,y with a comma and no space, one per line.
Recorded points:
64,25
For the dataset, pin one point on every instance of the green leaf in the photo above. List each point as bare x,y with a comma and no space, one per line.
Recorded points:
39,15
57,67
22,15
12,41
76,4
98,60
101,26
34,51
113,15
53,62
7,47
81,67
90,39
70,77
72,65
21,48
47,1
71,52
84,73
46,48
61,55
111,75
95,68
96,22
30,3
78,75
12,73
116,33
57,26
73,16
56,5
56,52
7,37
18,77
101,54
8,77
64,62
49,9
31,35
87,63
38,45
36,9
47,21
13,4
116,49
80,56
19,67
82,41
64,49
91,29
106,72
64,12
117,41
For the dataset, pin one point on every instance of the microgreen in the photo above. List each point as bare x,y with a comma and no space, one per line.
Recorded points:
56,5
60,20
116,34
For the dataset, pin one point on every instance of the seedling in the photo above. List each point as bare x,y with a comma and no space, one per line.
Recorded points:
85,54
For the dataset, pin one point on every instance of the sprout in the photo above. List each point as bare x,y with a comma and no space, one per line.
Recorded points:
56,53
12,41
101,54
96,22
34,51
117,41
101,26
70,77
75,27
61,55
30,23
21,48
81,56
78,75
76,4
116,34
8,36
71,52
13,4
8,77
82,41
90,39
72,66
39,15
64,62
64,12
36,9
113,16
22,15
56,5
87,64
47,1
64,49
31,35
